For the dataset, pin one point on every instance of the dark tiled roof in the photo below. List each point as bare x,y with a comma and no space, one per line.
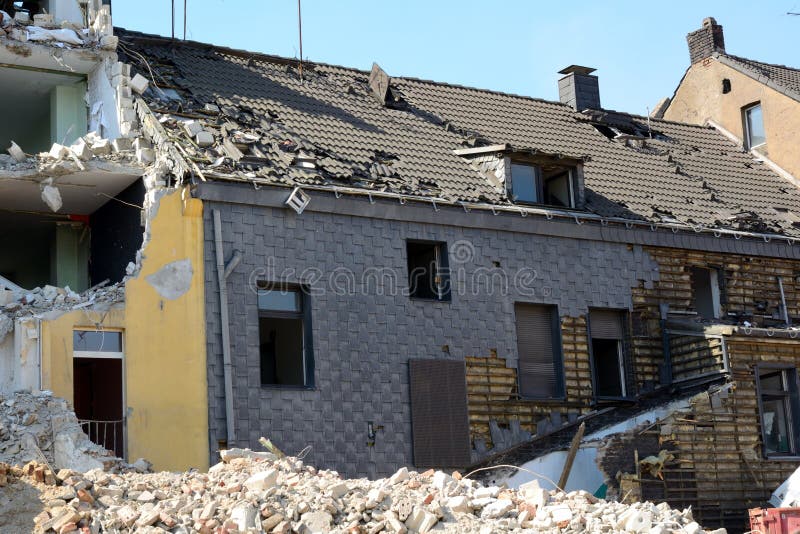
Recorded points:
685,173
780,77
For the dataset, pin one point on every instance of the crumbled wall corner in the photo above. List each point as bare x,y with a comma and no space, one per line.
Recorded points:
39,426
6,326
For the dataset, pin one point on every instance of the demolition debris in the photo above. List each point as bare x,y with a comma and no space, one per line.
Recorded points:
259,492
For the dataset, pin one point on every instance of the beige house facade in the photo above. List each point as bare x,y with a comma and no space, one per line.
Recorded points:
757,104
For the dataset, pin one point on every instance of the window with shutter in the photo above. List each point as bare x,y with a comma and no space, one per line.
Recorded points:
539,349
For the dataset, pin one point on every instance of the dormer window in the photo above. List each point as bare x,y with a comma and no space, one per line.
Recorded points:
548,184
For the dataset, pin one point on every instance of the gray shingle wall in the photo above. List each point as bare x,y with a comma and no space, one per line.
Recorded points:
363,339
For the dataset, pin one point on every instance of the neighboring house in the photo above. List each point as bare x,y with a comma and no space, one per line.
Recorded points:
756,103
83,205
405,272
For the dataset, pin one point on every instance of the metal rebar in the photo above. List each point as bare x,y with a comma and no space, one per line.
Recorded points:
300,32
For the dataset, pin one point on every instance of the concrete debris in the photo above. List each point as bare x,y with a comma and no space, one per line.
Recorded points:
42,428
49,298
44,29
139,84
17,153
61,160
51,195
252,493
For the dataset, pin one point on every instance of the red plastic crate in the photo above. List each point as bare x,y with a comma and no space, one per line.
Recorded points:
775,520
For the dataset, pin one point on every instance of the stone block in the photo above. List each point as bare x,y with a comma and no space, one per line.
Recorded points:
139,84
262,481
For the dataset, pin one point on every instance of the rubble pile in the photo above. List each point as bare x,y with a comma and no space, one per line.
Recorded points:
259,492
43,428
20,302
69,159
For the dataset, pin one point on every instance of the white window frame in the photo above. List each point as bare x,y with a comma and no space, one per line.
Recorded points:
746,116
539,179
100,354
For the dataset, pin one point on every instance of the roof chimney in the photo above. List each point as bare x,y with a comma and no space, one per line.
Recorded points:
706,40
578,88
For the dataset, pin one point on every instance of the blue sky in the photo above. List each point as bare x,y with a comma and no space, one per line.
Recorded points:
517,46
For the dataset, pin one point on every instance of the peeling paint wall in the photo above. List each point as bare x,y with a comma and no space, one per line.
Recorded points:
166,360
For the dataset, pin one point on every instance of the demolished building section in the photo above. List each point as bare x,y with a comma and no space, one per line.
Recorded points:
634,256
80,191
429,274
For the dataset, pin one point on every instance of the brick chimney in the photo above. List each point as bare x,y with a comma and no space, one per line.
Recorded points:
578,88
706,40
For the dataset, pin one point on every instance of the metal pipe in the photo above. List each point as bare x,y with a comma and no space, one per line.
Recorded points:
783,302
227,366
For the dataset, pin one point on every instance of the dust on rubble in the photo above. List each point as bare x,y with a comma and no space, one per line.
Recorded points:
255,492
39,426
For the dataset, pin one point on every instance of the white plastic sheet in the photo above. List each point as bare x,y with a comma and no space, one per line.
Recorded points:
63,35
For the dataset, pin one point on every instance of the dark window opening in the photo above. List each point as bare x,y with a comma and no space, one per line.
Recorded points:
706,292
726,86
428,276
98,387
754,126
284,332
540,373
47,249
609,373
548,184
779,406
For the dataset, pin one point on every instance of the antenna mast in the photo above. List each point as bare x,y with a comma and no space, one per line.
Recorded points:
184,18
300,32
173,20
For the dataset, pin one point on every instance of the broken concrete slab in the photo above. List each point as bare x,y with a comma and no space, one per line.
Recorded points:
16,152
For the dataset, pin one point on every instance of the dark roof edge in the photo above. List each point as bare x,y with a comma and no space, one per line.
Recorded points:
733,63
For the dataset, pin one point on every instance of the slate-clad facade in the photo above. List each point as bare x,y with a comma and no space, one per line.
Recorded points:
363,339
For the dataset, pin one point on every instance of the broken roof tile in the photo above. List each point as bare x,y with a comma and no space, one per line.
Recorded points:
646,169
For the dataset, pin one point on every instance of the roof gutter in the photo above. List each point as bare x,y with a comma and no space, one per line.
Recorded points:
577,216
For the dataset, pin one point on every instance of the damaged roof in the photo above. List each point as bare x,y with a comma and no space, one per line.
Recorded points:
783,79
327,128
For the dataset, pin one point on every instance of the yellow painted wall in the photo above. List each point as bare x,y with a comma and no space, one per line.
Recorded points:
700,97
166,388
56,341
167,392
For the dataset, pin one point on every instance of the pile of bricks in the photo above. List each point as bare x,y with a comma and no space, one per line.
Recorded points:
255,492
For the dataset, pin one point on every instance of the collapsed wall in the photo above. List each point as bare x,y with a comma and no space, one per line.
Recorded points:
40,427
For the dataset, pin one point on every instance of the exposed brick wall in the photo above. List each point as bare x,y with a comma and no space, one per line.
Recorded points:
362,341
747,282
705,41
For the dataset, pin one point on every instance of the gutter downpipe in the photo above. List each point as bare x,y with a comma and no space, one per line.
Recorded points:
226,333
